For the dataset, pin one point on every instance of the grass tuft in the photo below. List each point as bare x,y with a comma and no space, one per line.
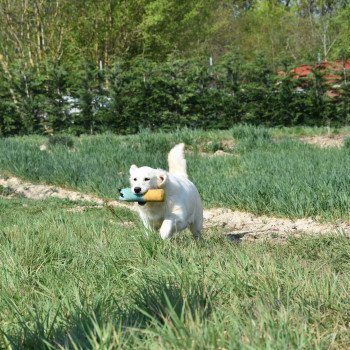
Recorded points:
346,143
60,140
6,191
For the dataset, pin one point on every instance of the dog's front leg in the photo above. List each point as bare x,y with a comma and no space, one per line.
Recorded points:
166,230
170,227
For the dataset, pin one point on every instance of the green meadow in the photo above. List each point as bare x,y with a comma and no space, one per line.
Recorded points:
74,275
266,171
73,279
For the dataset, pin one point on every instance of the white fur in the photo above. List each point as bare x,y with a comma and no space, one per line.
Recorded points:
182,207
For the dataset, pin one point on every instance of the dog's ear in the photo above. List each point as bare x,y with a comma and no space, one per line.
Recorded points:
161,178
132,169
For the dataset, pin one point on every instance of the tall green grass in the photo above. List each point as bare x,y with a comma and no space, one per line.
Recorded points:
75,279
265,175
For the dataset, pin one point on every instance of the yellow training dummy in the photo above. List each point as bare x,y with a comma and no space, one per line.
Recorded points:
126,194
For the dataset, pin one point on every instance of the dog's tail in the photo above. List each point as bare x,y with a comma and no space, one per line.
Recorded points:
177,161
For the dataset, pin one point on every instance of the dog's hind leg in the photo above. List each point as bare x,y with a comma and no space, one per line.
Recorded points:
197,225
196,229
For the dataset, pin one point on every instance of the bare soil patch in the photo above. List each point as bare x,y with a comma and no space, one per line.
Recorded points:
237,225
40,191
246,226
325,141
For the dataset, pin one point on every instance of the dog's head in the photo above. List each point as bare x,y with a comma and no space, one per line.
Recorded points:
145,178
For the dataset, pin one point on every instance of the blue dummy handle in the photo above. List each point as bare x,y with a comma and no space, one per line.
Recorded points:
127,195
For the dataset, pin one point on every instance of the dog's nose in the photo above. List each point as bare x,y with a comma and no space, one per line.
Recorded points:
137,189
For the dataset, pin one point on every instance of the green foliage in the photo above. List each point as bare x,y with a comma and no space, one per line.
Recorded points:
143,94
175,24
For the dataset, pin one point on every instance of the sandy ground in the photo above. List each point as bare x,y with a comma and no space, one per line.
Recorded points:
236,225
246,226
36,191
325,141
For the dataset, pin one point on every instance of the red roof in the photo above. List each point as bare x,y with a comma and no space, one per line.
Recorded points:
332,78
333,73
340,65
335,65
304,70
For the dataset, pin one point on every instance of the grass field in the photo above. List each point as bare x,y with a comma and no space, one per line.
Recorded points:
75,275
267,173
90,280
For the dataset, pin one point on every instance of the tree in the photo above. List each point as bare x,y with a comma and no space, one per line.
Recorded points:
342,22
175,25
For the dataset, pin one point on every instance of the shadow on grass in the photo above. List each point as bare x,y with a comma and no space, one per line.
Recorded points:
156,302
160,300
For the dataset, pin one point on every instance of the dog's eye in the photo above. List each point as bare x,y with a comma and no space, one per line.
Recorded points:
135,179
147,179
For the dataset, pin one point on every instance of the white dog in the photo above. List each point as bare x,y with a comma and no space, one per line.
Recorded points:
182,207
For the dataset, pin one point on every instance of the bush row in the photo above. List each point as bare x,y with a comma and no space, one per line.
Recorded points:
132,96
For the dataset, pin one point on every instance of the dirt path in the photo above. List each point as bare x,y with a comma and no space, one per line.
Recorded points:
236,224
325,141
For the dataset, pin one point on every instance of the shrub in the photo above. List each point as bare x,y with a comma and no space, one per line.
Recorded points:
143,94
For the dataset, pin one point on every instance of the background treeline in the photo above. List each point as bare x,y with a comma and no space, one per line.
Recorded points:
86,66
